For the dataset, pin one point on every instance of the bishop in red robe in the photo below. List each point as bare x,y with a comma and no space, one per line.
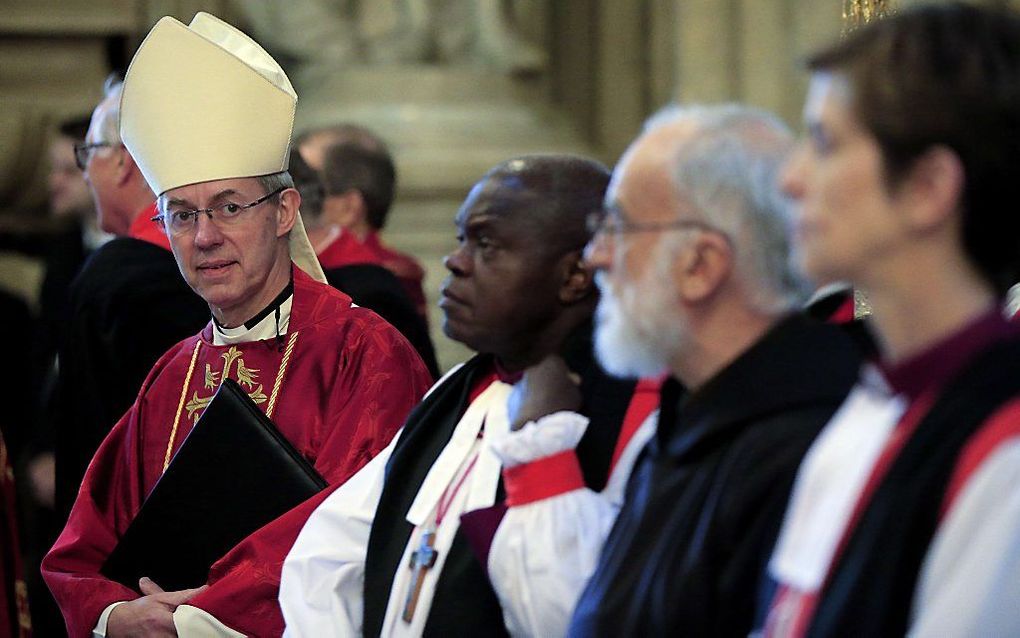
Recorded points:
338,389
336,379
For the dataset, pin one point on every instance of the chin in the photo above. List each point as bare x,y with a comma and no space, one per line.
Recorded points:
216,297
812,264
451,331
621,347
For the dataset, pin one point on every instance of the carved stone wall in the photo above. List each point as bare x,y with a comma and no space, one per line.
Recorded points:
56,54
615,62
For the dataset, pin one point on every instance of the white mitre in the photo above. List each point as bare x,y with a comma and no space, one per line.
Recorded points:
205,102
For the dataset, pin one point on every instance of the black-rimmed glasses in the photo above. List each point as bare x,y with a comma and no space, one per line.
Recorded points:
83,151
182,221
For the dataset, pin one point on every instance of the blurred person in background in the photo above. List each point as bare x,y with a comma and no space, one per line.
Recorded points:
359,182
369,284
129,285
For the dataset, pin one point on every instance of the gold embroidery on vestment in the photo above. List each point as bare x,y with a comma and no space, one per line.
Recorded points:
180,404
21,601
279,375
212,379
246,377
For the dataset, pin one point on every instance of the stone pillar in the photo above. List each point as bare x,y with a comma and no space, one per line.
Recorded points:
622,82
748,50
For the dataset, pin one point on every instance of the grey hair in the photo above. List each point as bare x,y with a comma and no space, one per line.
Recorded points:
274,181
109,128
269,183
729,170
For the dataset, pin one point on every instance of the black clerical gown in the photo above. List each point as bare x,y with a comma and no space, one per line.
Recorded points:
347,573
128,306
376,288
464,603
706,498
906,517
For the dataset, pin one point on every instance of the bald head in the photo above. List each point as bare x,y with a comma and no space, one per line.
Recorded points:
314,144
309,184
551,194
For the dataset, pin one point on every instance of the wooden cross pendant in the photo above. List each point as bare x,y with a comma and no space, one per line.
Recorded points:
422,560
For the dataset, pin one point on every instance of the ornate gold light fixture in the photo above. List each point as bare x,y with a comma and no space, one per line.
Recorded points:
857,13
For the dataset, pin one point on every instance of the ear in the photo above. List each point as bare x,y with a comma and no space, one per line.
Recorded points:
126,167
346,209
933,188
287,211
702,267
578,278
357,206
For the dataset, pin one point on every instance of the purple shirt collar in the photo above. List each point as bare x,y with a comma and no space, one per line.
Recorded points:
935,365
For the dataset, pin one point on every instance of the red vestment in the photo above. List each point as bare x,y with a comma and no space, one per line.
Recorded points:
338,385
347,249
142,227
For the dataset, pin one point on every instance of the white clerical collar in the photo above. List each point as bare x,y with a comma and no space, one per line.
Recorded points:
266,328
828,289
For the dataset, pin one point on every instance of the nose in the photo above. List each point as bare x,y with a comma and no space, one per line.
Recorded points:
791,178
207,233
598,252
457,262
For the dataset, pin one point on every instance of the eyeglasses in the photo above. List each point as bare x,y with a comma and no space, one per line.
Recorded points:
227,213
612,222
83,152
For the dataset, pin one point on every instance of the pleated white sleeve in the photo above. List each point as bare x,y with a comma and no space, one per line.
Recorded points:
322,584
548,544
198,623
970,582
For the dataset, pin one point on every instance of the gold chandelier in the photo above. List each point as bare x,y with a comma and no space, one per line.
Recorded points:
857,13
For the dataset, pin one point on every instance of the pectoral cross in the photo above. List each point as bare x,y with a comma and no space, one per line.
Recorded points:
422,560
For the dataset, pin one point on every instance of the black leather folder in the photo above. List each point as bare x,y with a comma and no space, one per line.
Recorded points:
234,473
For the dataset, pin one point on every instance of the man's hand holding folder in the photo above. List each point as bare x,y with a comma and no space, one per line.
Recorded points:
152,615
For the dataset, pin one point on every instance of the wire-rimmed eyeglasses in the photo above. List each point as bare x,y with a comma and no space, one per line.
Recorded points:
83,152
182,221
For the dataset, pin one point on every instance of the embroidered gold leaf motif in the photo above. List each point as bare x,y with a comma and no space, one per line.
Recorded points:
228,360
21,602
195,405
212,379
246,376
258,396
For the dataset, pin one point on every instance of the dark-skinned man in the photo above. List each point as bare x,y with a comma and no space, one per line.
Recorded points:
388,553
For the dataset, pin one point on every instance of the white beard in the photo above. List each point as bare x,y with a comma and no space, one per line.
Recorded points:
636,336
